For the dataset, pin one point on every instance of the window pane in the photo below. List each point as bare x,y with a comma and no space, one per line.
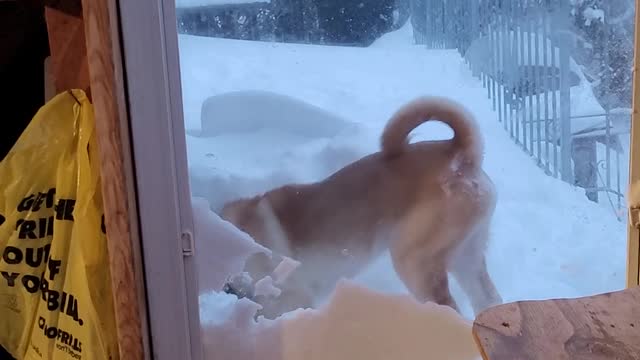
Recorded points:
285,104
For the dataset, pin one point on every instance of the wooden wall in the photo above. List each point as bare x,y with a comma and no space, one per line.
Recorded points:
86,54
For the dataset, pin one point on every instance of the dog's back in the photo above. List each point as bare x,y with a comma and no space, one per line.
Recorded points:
352,207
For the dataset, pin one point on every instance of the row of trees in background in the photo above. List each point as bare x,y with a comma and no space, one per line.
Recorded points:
330,22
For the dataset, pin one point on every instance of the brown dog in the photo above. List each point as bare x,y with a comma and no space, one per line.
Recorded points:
430,203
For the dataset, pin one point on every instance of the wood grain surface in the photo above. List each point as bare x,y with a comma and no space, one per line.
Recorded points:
68,63
599,327
633,243
107,87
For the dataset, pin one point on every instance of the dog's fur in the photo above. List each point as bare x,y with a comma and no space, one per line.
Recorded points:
430,203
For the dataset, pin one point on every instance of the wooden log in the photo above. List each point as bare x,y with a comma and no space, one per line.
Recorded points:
107,87
600,327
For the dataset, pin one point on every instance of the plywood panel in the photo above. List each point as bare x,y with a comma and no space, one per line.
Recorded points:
105,69
68,65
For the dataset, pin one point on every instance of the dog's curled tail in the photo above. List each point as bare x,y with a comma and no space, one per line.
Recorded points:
467,138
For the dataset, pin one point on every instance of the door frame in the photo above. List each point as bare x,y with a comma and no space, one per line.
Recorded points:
633,242
149,39
148,33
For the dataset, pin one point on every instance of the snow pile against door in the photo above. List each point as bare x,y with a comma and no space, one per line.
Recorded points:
355,323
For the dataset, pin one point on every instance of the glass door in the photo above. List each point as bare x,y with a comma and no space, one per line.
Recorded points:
280,231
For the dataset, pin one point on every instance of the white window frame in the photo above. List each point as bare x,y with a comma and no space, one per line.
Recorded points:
152,75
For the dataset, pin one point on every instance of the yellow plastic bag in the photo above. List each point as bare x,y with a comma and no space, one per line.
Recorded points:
55,287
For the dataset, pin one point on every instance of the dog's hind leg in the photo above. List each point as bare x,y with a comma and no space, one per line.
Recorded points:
426,280
434,285
469,266
420,255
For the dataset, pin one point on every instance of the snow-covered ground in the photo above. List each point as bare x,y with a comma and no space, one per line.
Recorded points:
547,241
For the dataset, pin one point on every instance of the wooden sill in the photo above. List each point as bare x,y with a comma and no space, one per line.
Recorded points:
600,327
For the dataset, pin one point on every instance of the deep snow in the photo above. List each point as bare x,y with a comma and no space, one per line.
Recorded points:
547,241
